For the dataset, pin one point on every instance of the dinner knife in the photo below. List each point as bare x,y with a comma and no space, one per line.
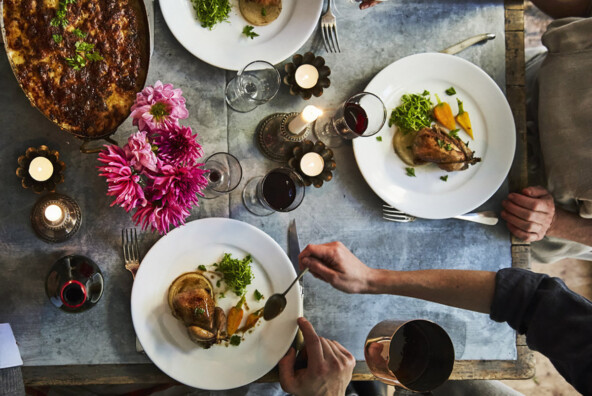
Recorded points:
294,248
458,47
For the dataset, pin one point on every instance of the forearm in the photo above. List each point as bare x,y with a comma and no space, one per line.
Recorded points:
570,226
472,290
564,8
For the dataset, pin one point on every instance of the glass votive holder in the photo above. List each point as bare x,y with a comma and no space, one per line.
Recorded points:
56,217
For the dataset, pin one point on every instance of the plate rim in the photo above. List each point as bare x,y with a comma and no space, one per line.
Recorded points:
230,222
511,146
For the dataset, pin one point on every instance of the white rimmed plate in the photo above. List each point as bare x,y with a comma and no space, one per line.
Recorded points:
226,47
426,195
164,338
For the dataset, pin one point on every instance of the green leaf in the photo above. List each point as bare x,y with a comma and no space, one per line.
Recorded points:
248,31
454,133
57,38
379,138
414,113
450,91
211,12
235,340
410,172
257,294
202,268
199,311
448,147
79,33
263,11
444,178
440,142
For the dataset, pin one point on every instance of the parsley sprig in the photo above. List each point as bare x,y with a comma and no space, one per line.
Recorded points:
84,52
211,12
414,112
248,31
237,273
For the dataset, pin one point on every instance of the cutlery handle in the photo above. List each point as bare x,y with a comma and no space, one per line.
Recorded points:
456,48
296,280
488,217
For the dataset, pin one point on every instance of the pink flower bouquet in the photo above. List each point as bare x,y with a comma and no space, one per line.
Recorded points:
157,172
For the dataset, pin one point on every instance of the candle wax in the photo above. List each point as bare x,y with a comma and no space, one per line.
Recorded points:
41,169
309,114
306,76
53,213
312,164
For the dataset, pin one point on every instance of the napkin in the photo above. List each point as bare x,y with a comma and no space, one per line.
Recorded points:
10,356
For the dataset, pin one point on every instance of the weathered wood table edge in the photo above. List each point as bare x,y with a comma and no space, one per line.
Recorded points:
521,368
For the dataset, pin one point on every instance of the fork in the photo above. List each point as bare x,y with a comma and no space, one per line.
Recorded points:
131,251
329,30
391,214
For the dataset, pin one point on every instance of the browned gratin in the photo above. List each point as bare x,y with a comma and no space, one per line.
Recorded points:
80,62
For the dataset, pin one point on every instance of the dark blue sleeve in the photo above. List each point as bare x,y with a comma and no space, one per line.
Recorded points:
557,322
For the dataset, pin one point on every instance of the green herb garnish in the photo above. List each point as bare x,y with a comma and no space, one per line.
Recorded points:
237,273
202,268
199,311
414,113
440,142
57,38
221,295
248,31
79,33
450,91
410,172
235,340
218,283
448,147
83,53
444,178
379,138
257,294
454,133
211,12
77,62
263,11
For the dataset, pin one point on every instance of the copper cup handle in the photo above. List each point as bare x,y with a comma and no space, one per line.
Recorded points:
85,149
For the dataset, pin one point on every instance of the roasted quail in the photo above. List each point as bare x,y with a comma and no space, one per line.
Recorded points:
449,153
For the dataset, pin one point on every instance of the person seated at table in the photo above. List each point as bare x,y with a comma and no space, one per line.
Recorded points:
557,322
559,102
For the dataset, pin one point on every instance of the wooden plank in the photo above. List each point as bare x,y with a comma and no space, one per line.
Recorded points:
515,58
514,20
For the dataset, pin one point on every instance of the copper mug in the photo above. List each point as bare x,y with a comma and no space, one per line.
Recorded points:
416,355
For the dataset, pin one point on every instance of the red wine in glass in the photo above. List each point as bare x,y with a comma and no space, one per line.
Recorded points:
215,176
279,190
354,121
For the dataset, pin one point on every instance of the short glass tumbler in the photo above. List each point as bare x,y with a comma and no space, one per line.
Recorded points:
362,115
224,174
280,190
256,84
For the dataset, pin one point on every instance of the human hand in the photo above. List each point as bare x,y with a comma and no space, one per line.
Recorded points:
335,264
529,215
329,366
368,3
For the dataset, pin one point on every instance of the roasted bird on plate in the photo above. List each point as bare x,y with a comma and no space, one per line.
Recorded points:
433,145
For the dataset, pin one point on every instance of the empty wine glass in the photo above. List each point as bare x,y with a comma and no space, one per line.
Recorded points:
224,174
281,190
362,115
256,84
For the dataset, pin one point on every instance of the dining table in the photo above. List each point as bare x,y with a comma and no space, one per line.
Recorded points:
98,346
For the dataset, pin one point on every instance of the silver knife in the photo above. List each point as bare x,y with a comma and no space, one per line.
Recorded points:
456,48
294,248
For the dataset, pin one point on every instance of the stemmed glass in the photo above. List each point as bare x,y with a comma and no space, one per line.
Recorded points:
281,190
224,174
362,115
256,84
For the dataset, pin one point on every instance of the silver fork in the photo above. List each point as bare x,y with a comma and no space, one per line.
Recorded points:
391,214
329,30
131,251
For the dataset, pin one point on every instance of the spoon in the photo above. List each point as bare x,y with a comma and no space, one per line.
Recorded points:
276,303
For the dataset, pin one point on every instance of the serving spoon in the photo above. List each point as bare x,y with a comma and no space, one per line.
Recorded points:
276,303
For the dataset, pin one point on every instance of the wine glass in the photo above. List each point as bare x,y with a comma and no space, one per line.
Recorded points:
224,174
256,84
281,190
362,115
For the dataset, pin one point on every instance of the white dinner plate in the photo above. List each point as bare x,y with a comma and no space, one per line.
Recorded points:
165,339
226,47
426,195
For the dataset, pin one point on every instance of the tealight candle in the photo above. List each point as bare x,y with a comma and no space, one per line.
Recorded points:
53,213
312,164
306,76
309,114
41,169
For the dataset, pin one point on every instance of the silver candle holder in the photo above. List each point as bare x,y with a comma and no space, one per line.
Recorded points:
56,217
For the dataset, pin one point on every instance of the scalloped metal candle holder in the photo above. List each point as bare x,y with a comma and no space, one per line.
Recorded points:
24,161
307,59
319,147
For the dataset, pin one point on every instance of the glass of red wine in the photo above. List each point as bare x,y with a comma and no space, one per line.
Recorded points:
224,174
280,190
362,115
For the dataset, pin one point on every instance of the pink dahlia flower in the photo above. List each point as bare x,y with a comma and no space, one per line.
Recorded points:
160,216
158,106
178,146
124,183
179,185
139,152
